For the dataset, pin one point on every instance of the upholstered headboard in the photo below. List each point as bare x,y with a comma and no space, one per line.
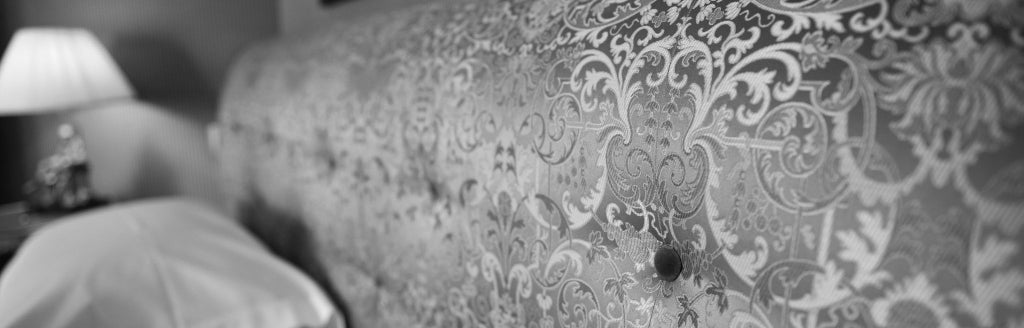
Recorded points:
518,163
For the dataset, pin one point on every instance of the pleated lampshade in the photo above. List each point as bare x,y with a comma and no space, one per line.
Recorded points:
54,69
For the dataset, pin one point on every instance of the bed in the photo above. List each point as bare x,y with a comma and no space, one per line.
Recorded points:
522,163
157,263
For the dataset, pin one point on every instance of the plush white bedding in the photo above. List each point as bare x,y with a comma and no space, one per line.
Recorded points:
163,263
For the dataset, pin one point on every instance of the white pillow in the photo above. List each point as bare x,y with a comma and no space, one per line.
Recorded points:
163,263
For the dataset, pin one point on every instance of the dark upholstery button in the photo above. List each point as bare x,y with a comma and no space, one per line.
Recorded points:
667,263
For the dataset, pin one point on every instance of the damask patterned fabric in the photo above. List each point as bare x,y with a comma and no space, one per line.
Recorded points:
815,163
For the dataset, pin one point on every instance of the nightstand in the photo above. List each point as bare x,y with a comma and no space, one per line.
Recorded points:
16,224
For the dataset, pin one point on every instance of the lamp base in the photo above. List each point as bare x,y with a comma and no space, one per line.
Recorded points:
70,193
61,183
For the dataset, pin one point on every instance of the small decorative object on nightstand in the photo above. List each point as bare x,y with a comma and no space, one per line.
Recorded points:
61,182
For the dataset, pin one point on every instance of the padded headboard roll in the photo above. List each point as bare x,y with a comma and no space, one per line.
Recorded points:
584,163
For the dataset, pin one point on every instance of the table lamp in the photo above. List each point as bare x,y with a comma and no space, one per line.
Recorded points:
47,70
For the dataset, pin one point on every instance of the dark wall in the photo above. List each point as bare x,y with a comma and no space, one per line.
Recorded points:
10,169
175,54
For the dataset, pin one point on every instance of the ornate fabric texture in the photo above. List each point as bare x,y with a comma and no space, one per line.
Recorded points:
815,163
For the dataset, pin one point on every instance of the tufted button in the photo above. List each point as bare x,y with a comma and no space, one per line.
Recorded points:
667,263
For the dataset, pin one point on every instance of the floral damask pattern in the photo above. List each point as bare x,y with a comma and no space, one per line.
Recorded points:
815,163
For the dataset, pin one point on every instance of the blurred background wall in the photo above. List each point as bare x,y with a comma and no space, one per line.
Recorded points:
10,169
175,54
297,16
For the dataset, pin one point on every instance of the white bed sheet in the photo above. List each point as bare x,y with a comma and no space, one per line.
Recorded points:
162,263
